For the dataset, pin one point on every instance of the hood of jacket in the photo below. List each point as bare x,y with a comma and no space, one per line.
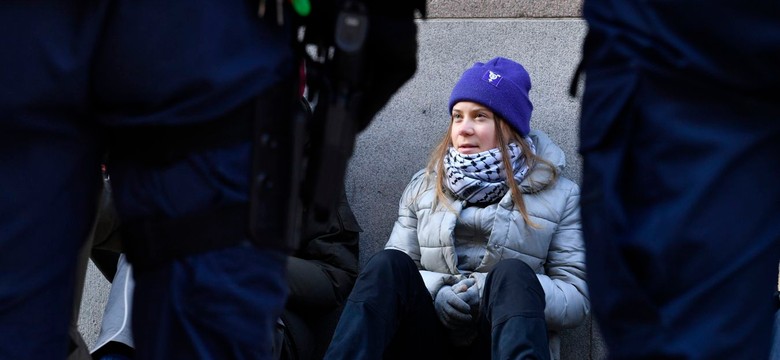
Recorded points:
542,175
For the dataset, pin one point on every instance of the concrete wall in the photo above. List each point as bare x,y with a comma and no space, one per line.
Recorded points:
93,301
506,9
545,36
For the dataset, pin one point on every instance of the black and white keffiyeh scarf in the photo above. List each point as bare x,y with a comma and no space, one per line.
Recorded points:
480,178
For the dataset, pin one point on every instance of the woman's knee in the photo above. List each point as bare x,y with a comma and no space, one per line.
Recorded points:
514,274
389,263
513,288
393,259
393,272
513,268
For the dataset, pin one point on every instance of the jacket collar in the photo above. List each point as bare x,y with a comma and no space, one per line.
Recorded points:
541,175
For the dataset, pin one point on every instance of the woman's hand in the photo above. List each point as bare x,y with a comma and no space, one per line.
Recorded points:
468,291
453,311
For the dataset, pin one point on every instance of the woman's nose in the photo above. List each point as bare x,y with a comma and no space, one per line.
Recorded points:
466,128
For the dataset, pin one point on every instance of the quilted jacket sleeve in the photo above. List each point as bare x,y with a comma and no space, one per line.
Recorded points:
404,235
565,289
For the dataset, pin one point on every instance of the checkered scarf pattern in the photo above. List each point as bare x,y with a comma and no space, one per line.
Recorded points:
480,178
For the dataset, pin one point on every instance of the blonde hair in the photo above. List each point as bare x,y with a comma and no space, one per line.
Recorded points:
504,136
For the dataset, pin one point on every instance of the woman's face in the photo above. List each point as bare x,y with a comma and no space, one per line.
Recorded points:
473,128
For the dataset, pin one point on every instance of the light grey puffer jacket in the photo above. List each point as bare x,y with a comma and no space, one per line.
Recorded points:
555,250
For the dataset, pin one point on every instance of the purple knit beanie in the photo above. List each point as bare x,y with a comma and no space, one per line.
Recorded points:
500,84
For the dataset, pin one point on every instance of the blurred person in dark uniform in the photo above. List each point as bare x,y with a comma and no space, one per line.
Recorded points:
193,101
144,78
680,136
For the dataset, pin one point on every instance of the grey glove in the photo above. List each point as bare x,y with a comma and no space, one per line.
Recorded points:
463,285
451,309
467,290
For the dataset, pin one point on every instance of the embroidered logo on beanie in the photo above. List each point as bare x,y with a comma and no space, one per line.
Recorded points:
492,78
508,95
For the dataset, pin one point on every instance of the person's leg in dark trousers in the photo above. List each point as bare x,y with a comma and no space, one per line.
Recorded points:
215,305
680,210
49,169
513,306
311,312
389,314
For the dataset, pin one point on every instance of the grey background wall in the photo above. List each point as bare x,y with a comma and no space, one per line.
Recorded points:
544,36
514,9
400,138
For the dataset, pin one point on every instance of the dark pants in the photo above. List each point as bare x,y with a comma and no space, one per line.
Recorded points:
210,306
312,310
390,314
681,213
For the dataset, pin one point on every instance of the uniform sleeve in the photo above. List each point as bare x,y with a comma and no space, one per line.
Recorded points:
564,283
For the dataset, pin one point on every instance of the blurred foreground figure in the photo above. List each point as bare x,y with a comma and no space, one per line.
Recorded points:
680,135
167,88
194,101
